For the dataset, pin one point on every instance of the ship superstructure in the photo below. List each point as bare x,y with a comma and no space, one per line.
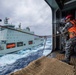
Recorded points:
14,39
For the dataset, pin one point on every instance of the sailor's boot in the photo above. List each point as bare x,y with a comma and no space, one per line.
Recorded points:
67,58
66,61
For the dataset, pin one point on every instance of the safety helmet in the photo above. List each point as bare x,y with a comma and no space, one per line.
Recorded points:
68,16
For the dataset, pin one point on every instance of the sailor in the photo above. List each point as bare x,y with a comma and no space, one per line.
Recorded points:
70,27
64,37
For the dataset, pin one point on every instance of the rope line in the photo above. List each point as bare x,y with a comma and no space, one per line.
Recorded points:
31,33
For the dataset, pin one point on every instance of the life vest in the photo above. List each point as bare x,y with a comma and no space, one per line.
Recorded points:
72,30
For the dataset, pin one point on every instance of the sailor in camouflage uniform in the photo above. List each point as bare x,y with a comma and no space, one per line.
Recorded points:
70,27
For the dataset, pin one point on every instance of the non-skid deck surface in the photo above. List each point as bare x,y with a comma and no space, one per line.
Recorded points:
72,62
46,66
61,57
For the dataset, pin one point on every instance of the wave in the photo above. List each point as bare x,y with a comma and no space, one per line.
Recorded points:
22,58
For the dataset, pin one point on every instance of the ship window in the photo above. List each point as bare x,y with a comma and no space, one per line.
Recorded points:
1,48
3,42
30,42
19,44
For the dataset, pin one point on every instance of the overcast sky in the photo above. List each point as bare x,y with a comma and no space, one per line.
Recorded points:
35,14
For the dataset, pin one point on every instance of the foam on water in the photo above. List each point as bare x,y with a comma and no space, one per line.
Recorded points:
23,57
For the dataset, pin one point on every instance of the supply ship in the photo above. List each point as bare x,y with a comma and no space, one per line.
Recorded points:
14,39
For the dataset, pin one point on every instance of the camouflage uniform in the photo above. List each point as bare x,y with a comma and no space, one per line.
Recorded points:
70,44
69,48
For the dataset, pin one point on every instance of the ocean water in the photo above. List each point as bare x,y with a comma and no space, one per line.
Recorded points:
18,60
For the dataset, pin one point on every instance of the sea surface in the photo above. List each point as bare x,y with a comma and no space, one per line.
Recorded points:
18,60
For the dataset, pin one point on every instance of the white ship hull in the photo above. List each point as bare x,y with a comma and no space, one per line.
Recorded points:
5,51
12,39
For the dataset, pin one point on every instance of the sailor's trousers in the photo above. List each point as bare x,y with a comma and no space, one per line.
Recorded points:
69,48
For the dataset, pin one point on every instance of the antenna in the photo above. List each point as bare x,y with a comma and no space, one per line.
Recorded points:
6,20
20,26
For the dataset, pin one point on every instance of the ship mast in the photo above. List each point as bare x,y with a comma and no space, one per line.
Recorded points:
6,20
